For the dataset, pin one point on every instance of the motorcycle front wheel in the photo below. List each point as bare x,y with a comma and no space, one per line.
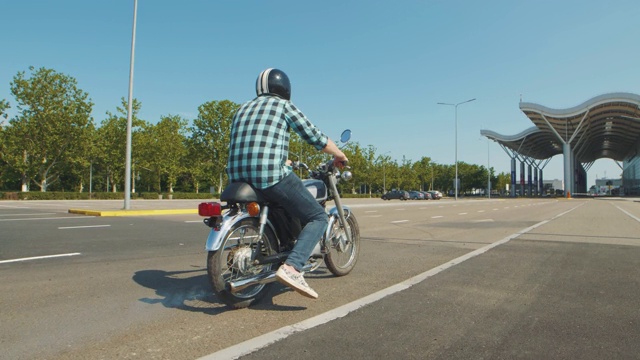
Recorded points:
342,255
232,262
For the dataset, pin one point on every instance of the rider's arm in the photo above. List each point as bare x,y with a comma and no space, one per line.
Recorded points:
338,156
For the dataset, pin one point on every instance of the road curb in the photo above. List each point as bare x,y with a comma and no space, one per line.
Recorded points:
132,212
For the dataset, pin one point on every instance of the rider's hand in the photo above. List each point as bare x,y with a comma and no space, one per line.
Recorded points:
340,160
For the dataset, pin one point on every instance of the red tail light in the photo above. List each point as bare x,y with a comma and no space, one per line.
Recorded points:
210,209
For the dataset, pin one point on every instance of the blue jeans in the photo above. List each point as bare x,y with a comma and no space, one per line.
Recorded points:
297,200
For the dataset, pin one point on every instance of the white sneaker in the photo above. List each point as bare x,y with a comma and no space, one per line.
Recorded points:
296,282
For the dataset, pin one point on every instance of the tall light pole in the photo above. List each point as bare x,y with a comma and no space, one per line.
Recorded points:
127,167
488,170
384,173
456,137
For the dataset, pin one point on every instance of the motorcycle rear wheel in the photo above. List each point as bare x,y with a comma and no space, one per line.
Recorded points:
341,261
232,262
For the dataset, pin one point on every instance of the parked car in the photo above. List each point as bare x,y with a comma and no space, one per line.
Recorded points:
427,195
396,194
435,195
416,195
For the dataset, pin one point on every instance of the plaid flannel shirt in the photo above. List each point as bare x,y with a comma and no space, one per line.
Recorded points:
259,145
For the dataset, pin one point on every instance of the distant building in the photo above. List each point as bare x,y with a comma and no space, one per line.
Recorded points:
606,187
550,186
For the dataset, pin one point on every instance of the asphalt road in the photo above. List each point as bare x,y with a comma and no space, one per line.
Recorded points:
494,279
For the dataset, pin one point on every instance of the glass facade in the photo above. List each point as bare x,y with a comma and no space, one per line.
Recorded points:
631,172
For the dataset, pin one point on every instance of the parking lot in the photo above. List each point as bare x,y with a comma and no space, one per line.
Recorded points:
525,278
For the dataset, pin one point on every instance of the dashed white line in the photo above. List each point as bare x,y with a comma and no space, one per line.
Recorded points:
628,213
33,214
437,217
50,218
38,258
399,221
462,213
81,227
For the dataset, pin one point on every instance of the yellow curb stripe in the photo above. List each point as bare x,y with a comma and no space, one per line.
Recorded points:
132,212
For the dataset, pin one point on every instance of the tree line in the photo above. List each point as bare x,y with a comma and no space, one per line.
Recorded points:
53,143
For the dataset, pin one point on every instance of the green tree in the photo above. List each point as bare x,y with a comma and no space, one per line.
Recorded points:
407,179
111,142
76,169
164,148
195,169
502,180
210,136
422,170
367,172
357,160
53,116
4,105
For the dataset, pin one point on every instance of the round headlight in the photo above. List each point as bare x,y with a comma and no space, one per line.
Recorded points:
346,175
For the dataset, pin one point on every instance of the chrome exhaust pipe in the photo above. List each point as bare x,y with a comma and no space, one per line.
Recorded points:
262,278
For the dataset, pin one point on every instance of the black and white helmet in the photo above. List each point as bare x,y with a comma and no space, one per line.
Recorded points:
275,82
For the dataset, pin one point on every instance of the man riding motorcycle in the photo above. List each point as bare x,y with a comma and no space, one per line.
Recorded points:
258,154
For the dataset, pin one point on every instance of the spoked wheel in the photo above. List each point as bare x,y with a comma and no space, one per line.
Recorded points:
343,254
233,262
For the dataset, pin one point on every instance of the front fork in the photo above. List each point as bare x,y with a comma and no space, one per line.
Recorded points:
336,197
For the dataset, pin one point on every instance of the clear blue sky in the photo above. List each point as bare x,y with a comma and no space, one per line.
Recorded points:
377,67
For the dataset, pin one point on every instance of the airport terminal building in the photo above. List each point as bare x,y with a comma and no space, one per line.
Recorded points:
606,126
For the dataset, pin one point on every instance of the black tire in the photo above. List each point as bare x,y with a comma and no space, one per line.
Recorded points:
220,263
341,263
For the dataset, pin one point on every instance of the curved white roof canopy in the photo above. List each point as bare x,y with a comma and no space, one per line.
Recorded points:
606,126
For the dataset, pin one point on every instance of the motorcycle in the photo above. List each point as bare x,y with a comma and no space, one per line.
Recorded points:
252,238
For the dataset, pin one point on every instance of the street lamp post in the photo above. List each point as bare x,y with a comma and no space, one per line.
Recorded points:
127,167
488,170
384,173
456,137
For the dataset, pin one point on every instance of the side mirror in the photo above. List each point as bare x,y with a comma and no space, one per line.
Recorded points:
346,135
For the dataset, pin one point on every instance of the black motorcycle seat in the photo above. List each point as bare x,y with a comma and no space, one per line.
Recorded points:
241,192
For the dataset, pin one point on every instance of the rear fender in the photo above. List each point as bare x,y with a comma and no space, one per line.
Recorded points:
214,240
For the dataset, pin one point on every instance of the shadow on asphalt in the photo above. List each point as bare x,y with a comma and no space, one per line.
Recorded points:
189,290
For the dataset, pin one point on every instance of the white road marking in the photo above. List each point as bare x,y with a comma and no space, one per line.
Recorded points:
193,221
628,213
401,209
267,339
437,217
462,214
373,215
51,218
38,258
480,210
81,227
399,221
482,221
368,211
34,214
